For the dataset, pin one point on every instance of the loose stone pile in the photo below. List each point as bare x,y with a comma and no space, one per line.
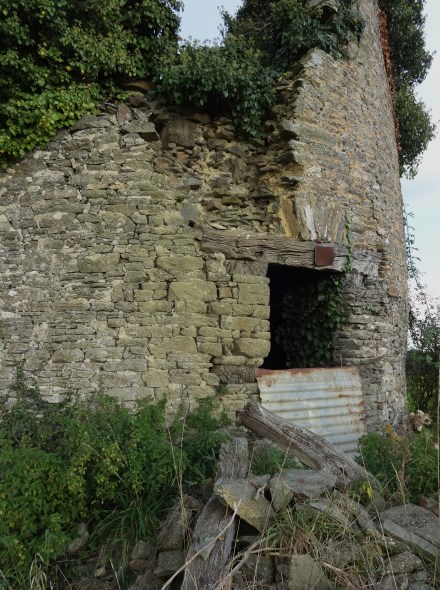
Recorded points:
371,546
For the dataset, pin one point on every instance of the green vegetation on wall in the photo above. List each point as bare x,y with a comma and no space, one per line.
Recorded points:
228,78
411,62
311,314
283,30
260,44
59,58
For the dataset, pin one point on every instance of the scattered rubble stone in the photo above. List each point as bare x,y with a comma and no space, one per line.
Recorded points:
404,563
143,550
250,504
306,574
148,581
81,540
168,563
175,529
400,581
430,504
418,544
258,567
415,519
299,483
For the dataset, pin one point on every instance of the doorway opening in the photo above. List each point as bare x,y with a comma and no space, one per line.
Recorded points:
301,324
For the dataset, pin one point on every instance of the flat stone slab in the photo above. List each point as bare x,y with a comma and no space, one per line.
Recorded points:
304,484
415,519
404,563
250,504
416,543
306,574
144,129
169,562
356,511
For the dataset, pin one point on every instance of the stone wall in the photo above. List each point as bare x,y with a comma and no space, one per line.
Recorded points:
104,277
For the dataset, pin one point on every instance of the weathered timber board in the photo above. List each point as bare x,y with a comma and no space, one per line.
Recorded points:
311,449
205,570
271,248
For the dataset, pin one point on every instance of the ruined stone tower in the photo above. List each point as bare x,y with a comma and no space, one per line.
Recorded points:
136,249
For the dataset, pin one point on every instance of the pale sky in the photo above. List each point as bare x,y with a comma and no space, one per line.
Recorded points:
201,20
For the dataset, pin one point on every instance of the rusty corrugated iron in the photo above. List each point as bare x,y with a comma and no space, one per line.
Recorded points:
329,402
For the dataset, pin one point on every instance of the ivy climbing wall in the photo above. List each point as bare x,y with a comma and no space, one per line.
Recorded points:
106,277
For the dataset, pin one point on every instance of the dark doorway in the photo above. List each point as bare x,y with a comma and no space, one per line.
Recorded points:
295,299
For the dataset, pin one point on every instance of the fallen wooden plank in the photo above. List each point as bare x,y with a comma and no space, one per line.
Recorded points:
214,533
311,449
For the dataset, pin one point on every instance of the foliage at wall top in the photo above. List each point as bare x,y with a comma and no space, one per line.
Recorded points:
411,62
59,58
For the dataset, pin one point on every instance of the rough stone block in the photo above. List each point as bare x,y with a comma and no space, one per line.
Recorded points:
155,306
253,294
184,378
187,291
68,356
245,324
178,265
145,130
98,263
179,131
177,344
156,378
211,348
252,347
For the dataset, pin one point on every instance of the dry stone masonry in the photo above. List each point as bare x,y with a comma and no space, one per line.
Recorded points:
106,277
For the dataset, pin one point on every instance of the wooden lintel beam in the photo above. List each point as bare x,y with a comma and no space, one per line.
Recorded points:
273,248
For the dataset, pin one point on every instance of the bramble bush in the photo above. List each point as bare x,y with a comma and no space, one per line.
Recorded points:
92,461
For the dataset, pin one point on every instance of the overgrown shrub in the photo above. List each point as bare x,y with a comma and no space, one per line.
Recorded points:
223,79
411,62
407,466
92,461
422,361
59,58
285,29
260,43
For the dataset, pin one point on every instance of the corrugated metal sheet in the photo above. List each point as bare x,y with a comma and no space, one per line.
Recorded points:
329,402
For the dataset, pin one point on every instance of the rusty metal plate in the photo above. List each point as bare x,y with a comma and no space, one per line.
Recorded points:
329,402
324,254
